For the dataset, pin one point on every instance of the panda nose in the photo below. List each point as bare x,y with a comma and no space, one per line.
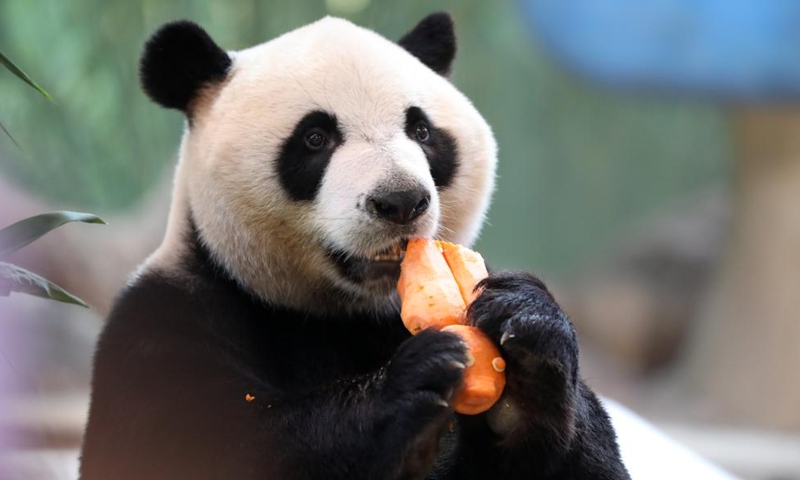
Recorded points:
399,207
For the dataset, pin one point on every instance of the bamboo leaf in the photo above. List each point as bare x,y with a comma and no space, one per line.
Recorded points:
5,130
17,279
23,76
16,236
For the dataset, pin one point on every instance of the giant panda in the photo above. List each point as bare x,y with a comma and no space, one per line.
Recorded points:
262,339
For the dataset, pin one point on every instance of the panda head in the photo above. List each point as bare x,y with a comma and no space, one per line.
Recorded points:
309,160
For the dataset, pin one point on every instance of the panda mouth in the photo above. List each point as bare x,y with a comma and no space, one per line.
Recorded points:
380,268
393,253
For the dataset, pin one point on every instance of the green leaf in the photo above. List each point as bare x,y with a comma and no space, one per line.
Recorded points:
16,236
17,279
23,76
4,129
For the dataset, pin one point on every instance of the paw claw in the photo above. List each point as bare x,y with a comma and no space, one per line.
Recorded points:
506,336
457,365
442,403
449,394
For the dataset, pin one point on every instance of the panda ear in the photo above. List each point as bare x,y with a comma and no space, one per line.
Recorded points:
178,61
433,42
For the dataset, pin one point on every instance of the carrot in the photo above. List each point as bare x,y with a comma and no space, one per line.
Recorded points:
429,293
484,379
437,282
467,267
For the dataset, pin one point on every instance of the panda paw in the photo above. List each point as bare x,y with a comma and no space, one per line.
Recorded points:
425,372
536,339
419,383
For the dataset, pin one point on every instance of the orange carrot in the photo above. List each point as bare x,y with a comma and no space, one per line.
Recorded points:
467,267
429,293
484,379
437,282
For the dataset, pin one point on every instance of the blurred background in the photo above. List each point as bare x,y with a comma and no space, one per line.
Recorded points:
649,172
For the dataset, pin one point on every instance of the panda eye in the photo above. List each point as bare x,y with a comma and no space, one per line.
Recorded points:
422,133
315,139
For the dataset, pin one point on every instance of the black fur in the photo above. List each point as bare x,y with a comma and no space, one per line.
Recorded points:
301,168
342,397
440,148
178,61
433,42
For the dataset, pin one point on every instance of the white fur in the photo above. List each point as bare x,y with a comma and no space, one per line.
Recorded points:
227,174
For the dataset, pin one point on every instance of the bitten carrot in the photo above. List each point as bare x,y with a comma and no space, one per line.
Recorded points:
429,293
437,282
484,379
467,266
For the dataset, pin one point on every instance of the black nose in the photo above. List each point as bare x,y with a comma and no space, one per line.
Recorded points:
399,207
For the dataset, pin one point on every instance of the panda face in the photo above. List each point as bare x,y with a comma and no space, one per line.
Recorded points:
320,153
369,213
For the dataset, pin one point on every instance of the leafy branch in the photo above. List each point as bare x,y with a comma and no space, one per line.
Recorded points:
12,238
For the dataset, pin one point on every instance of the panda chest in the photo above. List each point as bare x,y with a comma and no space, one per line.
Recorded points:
309,355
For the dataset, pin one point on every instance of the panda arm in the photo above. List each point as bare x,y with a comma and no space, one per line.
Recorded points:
168,393
589,451
548,424
175,367
382,425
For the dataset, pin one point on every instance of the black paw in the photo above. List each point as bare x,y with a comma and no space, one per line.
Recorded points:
425,373
535,337
419,384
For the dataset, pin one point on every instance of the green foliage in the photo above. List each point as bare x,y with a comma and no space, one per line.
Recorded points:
576,163
5,130
13,68
16,236
17,279
6,62
19,234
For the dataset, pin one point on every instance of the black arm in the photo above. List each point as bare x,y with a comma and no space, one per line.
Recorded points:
188,385
548,424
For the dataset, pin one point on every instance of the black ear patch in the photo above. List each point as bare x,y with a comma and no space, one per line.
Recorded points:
433,41
178,60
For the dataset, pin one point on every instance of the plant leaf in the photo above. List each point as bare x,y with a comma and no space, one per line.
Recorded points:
17,279
23,76
16,236
4,129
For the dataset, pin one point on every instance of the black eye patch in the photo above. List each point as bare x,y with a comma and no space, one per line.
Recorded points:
305,155
437,144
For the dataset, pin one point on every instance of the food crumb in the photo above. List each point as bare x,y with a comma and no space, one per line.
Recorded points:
249,398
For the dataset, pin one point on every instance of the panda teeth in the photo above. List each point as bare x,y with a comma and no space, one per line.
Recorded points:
393,254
